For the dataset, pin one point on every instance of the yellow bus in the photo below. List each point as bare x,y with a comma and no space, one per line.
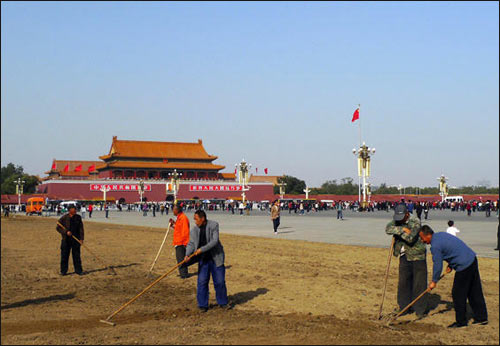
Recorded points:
34,205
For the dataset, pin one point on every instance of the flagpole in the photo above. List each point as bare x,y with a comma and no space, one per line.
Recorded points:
359,123
359,178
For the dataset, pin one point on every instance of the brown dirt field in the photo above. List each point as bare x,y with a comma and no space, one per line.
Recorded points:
283,292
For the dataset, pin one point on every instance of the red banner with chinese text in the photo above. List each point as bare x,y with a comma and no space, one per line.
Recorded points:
119,187
215,188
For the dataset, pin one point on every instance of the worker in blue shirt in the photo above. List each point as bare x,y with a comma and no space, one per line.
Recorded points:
467,282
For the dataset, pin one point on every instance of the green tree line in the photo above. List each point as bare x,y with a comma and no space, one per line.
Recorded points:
9,175
347,186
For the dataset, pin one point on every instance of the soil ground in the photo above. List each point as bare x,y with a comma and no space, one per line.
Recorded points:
282,292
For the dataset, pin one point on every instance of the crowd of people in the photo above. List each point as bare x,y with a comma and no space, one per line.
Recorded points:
300,207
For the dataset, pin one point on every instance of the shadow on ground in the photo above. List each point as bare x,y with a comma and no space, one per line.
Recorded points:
243,297
36,301
109,267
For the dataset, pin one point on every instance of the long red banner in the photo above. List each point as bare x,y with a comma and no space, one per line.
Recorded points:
214,187
119,187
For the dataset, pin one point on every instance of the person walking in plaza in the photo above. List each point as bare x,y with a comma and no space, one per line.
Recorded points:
73,227
205,244
241,207
181,238
153,208
419,209
275,216
426,210
487,208
82,211
468,208
339,210
106,209
412,259
467,281
452,229
498,237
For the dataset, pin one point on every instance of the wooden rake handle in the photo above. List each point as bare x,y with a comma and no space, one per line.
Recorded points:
386,276
159,251
414,301
86,248
149,286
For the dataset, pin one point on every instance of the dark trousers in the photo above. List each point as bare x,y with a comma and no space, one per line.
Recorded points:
467,285
107,211
426,213
205,268
180,253
412,282
90,213
276,223
498,236
339,214
67,246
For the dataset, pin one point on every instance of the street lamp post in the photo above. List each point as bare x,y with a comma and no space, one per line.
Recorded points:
19,191
307,190
104,189
443,187
141,189
363,154
282,184
243,169
175,179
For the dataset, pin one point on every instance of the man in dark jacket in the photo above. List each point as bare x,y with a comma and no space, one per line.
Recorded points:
204,243
73,226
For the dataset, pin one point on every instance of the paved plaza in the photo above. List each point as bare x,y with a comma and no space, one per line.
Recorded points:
365,229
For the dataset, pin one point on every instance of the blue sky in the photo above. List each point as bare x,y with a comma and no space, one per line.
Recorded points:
274,83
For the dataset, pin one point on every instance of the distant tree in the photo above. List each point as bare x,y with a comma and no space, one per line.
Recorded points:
294,185
347,187
383,189
9,175
464,190
330,187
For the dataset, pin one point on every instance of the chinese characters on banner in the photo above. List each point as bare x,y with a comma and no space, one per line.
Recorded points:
119,187
214,187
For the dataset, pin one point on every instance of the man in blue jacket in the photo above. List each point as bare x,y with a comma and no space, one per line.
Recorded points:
204,243
467,282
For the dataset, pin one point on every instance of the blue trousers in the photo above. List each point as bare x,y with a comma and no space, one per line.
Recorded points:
205,268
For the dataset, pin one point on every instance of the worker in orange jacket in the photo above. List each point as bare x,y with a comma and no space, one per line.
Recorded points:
181,238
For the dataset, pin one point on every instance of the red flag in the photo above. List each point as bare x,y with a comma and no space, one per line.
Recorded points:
265,170
78,168
53,166
92,168
256,170
66,168
355,116
235,171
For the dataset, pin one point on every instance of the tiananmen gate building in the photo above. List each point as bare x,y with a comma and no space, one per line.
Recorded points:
128,162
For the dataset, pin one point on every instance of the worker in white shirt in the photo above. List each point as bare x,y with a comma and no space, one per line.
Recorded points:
452,229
